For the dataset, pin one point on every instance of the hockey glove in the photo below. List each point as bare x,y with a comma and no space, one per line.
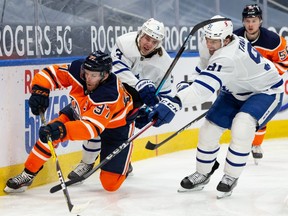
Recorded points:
55,130
142,117
39,100
165,111
147,90
182,85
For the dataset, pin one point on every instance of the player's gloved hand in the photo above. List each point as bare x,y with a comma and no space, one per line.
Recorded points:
39,100
182,85
147,90
165,111
142,117
55,130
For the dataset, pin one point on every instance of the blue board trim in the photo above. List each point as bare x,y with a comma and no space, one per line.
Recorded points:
47,61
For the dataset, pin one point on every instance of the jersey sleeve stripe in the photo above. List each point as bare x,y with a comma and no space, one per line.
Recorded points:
123,114
47,78
212,76
90,130
205,85
52,69
48,70
121,70
165,92
119,62
278,84
95,122
197,69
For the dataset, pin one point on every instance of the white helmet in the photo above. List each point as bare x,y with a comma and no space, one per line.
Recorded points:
154,29
218,30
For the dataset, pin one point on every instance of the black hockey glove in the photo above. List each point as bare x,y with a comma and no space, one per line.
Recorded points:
55,130
142,117
39,100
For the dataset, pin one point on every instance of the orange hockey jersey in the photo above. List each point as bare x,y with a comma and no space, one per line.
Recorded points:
271,46
107,107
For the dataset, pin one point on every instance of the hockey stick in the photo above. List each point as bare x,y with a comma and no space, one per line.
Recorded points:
153,146
72,208
283,107
106,160
183,47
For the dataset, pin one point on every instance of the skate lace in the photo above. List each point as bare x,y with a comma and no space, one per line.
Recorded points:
228,180
197,178
23,178
82,168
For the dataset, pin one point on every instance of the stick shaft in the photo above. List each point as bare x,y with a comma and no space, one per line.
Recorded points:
105,160
152,146
58,168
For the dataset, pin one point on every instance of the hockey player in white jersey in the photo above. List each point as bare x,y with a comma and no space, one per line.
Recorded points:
140,61
251,94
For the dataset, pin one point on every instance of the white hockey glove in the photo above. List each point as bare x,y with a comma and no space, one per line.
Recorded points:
147,90
182,85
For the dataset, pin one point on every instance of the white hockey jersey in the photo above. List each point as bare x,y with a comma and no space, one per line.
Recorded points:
237,69
130,66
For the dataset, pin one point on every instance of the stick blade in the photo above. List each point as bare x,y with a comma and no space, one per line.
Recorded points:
151,146
55,188
76,209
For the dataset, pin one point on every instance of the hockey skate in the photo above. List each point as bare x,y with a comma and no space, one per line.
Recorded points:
130,170
196,181
225,186
19,183
81,169
257,154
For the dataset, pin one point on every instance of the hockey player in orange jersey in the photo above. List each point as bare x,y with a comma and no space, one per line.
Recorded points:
140,61
100,106
271,46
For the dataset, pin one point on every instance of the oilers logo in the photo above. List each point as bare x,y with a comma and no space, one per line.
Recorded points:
76,110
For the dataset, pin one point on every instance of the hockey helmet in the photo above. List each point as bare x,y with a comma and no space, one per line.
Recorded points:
252,10
154,29
98,61
219,30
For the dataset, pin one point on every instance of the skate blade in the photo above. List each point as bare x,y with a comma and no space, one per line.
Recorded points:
12,190
221,195
129,174
76,209
183,190
256,161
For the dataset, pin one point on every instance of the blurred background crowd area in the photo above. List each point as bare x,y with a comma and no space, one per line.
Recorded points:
52,28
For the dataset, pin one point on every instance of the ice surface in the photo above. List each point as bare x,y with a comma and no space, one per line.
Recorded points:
152,190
